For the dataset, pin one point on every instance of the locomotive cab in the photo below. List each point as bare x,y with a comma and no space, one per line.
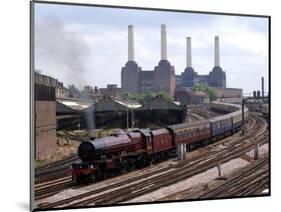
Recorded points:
147,139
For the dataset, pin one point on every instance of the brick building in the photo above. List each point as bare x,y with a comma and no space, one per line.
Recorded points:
134,80
45,120
111,90
189,78
162,78
60,90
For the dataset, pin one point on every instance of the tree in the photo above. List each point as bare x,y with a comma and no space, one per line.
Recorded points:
211,92
165,96
145,97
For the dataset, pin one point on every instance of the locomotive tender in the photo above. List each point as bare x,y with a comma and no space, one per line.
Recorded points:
119,153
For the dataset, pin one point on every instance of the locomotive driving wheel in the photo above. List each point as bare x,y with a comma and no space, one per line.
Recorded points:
130,165
93,178
141,162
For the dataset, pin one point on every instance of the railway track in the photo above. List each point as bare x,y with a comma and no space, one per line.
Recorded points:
194,117
245,181
54,170
50,188
53,178
135,187
56,163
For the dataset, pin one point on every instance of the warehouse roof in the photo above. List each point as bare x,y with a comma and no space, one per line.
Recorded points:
73,105
61,108
113,104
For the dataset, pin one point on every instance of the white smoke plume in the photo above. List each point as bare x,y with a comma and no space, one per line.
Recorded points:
59,52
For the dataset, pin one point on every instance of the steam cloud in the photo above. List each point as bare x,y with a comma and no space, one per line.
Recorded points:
60,53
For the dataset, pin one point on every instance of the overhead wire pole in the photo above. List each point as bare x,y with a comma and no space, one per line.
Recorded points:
127,118
94,115
132,118
244,100
243,116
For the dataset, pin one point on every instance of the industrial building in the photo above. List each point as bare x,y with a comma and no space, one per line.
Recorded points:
162,78
60,90
111,90
190,78
45,119
229,95
134,80
215,79
159,112
70,114
189,97
111,112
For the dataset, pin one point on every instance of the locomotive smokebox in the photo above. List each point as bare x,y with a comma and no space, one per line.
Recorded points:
86,151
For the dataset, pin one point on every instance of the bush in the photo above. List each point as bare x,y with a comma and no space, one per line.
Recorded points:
146,96
211,92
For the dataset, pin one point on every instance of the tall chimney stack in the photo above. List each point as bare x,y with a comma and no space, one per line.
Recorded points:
163,42
262,87
188,52
131,54
217,51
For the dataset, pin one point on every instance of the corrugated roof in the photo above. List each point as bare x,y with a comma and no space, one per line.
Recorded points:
129,104
113,104
61,108
74,104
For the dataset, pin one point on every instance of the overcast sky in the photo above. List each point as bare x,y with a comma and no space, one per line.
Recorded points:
88,45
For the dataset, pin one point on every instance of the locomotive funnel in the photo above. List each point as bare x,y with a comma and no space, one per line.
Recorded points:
86,151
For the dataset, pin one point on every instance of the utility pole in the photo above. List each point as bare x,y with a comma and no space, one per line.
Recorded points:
132,117
127,118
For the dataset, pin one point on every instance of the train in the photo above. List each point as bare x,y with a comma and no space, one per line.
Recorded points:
124,152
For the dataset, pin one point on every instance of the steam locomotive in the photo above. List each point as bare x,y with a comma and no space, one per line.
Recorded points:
116,154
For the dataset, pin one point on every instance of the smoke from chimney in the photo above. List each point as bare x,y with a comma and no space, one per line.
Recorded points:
59,52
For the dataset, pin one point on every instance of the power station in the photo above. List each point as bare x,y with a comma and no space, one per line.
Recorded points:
134,80
163,78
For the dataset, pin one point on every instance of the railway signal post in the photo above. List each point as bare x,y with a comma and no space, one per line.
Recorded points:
181,150
219,169
256,151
